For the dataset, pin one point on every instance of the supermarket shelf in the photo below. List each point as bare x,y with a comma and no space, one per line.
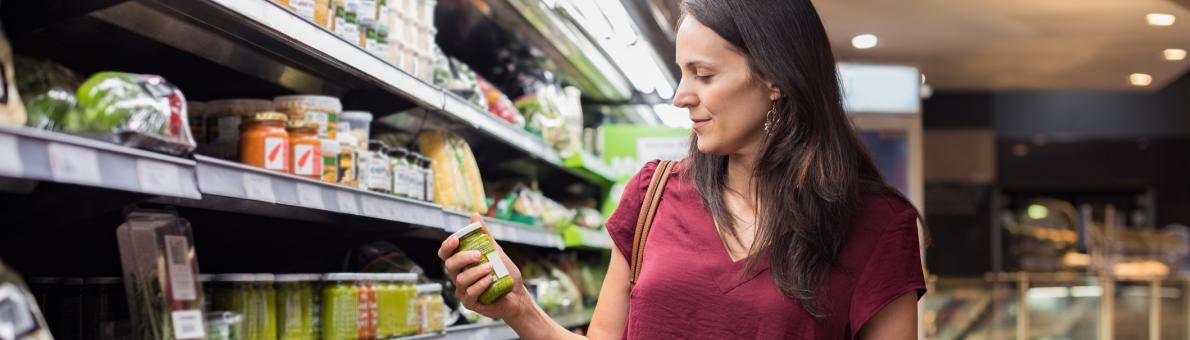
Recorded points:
499,330
58,157
506,231
576,237
229,179
491,125
591,166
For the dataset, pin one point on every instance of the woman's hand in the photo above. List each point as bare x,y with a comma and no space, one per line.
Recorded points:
471,282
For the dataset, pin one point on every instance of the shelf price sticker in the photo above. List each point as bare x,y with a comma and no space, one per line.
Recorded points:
73,164
310,196
10,156
188,324
347,203
158,177
258,187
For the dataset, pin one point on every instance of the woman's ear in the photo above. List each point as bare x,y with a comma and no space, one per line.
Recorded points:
774,91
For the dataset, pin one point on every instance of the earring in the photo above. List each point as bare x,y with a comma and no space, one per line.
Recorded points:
769,121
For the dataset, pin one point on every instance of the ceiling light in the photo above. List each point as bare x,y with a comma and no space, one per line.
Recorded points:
1174,54
1140,79
1161,19
864,41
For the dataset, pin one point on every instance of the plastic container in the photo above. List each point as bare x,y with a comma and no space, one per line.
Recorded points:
219,122
330,160
305,149
160,266
431,308
264,142
409,33
319,109
472,237
367,10
426,12
400,172
346,20
425,38
297,309
349,162
377,173
358,124
236,293
340,307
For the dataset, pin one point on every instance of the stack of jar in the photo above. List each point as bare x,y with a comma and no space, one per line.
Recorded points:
397,171
368,306
431,308
411,36
399,31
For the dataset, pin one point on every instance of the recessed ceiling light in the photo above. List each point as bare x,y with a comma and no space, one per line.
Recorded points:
1140,79
864,41
1161,19
1174,54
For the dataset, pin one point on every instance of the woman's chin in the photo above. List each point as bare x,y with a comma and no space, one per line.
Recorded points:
710,147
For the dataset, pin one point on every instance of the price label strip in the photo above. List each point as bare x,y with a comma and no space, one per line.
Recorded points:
258,187
158,177
10,157
310,196
347,203
73,164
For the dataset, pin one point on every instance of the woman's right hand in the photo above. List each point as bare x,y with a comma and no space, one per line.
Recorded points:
471,282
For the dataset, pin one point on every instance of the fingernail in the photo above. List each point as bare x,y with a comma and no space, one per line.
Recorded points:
476,256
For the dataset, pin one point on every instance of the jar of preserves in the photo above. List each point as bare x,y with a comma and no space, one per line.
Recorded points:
305,149
264,142
318,109
330,160
349,162
340,307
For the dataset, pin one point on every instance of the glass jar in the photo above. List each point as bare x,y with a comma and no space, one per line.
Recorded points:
387,293
406,308
318,109
266,302
358,124
472,237
400,173
367,305
296,311
220,122
377,175
346,21
264,142
340,307
431,308
305,149
427,169
417,179
235,293
330,160
349,162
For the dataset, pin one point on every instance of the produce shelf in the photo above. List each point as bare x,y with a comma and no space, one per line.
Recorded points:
591,166
58,157
575,237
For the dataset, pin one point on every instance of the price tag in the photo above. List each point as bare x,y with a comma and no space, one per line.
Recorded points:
310,196
258,187
10,156
370,207
188,324
158,177
347,203
73,164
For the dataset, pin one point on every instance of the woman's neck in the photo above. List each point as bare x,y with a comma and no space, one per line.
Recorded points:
741,167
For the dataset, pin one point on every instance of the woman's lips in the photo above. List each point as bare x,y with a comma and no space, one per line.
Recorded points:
700,122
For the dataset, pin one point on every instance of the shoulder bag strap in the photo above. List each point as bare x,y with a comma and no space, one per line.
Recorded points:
644,221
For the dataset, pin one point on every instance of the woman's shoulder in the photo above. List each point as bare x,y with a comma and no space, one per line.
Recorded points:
883,210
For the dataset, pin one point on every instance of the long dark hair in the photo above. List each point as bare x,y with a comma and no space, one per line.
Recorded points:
812,169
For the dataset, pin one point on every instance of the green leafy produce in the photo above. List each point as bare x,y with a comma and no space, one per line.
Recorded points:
48,90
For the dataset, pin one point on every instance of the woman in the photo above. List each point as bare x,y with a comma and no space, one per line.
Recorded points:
776,225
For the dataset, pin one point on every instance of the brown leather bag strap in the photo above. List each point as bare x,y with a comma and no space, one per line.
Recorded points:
644,221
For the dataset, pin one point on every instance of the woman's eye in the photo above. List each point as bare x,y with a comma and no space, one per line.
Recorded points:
702,77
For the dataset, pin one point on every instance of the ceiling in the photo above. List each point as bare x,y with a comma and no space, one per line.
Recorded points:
997,45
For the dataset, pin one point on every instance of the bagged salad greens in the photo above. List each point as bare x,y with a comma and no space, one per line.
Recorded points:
48,90
20,318
161,276
142,111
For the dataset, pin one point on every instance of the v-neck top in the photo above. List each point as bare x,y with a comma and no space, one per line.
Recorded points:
690,288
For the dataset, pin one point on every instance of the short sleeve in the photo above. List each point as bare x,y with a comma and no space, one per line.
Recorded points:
622,224
893,270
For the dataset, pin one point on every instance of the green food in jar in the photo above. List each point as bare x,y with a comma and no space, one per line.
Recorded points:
472,237
340,307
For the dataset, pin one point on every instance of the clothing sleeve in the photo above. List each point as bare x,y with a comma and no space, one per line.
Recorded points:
622,224
893,270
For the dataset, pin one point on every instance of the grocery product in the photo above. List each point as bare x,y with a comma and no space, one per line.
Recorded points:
314,10
225,326
266,306
400,183
431,309
264,142
12,111
297,306
427,176
142,111
236,293
346,21
47,90
473,237
305,149
364,283
358,124
394,304
160,269
377,174
330,160
319,109
457,182
218,125
21,318
349,162
340,307
396,32
499,104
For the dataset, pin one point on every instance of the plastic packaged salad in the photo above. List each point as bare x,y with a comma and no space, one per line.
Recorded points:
20,318
161,276
142,111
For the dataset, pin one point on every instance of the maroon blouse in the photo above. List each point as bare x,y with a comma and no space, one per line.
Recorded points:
690,288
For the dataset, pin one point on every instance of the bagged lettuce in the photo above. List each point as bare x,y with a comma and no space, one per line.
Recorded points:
48,90
143,111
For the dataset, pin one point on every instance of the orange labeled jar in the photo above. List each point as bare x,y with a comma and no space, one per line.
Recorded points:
264,142
305,149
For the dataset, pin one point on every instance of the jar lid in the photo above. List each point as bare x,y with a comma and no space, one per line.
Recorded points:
429,288
268,117
375,145
402,152
340,277
330,146
297,277
102,280
347,139
403,277
235,278
308,102
266,277
301,125
467,230
356,115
